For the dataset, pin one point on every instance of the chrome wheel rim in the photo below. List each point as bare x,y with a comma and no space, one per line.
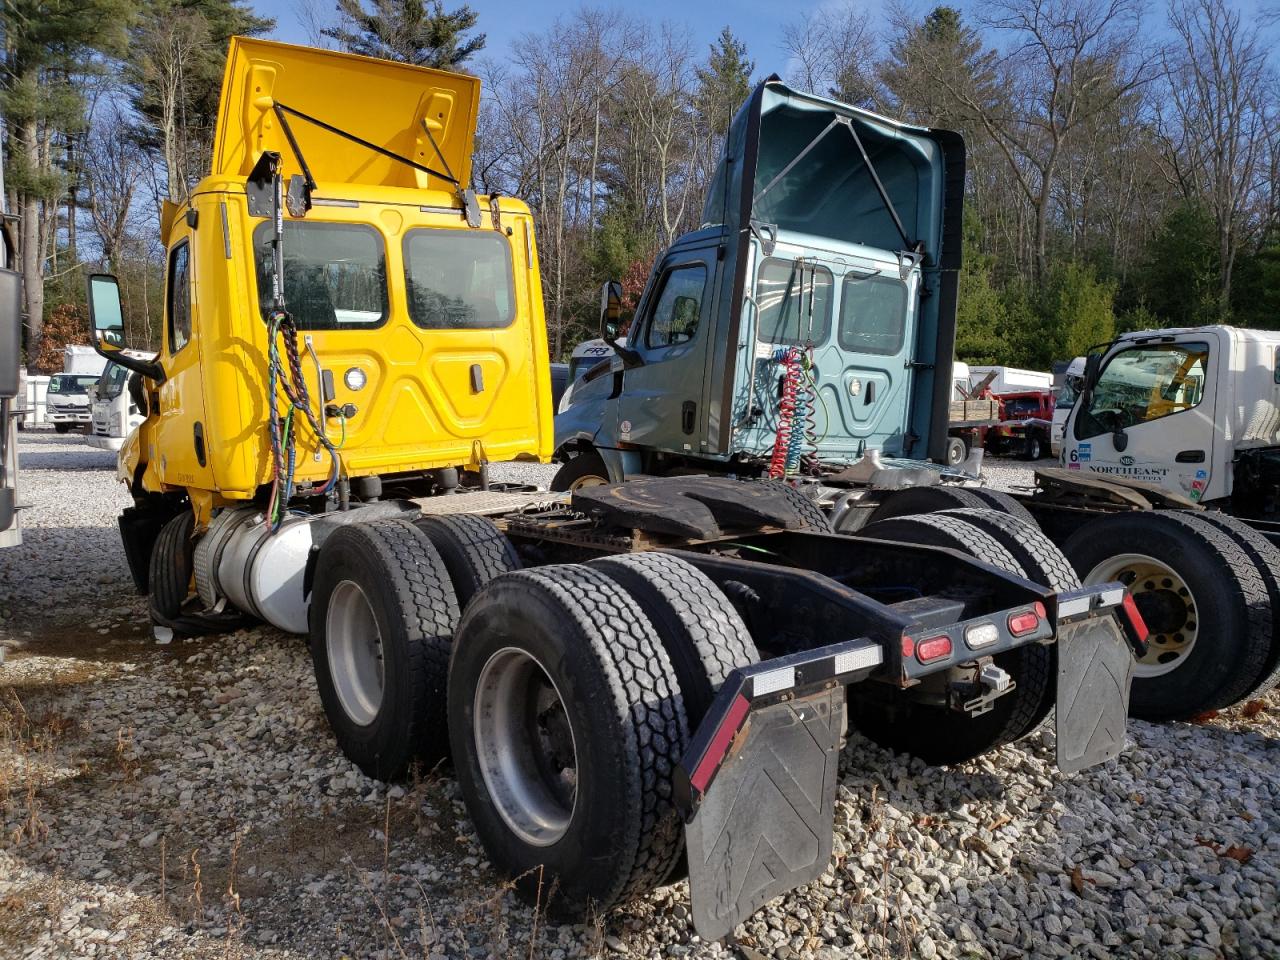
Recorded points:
526,747
1166,603
354,646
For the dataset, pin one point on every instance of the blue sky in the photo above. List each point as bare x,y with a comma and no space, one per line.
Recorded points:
757,22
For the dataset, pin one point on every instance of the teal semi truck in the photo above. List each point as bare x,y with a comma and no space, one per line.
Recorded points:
806,333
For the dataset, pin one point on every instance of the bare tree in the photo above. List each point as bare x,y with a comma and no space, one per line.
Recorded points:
166,48
1221,121
114,170
832,52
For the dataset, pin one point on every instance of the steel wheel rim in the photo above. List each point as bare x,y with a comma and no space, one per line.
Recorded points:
590,480
354,645
526,747
1155,586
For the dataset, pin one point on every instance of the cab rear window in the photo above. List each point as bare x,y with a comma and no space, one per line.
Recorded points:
873,314
459,279
335,274
794,300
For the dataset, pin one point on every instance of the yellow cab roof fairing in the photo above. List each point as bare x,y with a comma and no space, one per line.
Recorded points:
379,101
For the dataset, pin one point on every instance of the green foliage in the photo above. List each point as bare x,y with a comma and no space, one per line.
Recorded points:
1076,311
1255,289
982,319
421,32
1138,317
1179,278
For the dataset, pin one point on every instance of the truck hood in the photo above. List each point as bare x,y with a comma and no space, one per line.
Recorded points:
384,103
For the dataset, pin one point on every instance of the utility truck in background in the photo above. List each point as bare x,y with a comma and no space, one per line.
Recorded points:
67,402
116,400
636,675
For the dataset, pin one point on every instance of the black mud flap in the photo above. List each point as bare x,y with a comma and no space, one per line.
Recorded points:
1095,667
764,826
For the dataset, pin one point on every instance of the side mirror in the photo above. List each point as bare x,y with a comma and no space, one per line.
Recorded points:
610,311
1092,364
106,318
10,334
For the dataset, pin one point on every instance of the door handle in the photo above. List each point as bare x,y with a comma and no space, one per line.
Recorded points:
1189,456
688,413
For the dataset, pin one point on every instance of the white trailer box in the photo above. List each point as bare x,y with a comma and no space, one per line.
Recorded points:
83,360
1011,379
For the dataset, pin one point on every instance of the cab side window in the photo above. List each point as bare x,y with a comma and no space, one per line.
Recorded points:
675,316
179,299
1143,384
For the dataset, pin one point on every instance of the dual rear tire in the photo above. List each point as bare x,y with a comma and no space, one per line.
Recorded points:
566,695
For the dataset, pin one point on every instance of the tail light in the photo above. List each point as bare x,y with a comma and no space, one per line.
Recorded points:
1027,621
935,648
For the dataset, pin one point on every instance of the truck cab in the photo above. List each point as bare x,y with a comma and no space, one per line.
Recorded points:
817,300
1195,411
338,306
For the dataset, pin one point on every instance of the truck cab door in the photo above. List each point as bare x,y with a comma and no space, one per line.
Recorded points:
180,443
1150,417
662,403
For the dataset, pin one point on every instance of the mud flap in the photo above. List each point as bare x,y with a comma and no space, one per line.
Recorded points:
764,826
1095,667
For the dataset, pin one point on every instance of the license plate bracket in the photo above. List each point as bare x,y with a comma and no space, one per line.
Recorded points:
1095,669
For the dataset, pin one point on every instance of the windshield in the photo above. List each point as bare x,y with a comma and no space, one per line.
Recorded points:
1067,393
459,280
1144,384
70,383
335,274
112,381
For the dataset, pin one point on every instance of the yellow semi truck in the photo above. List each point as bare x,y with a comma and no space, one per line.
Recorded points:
332,255
630,679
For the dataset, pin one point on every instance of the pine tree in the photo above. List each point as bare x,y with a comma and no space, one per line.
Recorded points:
48,45
420,32
723,84
177,54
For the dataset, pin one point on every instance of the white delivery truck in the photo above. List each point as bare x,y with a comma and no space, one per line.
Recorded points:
114,410
1195,411
1064,400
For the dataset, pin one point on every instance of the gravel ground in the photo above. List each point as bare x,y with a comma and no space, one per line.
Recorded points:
186,799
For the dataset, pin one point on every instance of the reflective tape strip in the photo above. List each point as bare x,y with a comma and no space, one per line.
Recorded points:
1112,598
869,656
784,678
1074,606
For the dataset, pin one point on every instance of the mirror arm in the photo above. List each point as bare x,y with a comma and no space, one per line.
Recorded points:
150,369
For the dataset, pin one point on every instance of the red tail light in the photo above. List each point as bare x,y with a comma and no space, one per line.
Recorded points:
908,648
1020,624
935,648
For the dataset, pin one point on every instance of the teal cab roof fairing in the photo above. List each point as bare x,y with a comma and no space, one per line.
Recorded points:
828,176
